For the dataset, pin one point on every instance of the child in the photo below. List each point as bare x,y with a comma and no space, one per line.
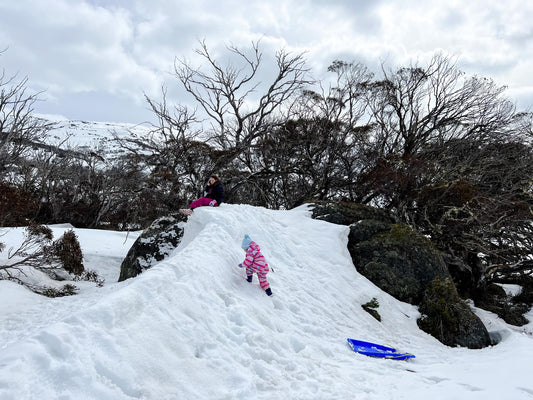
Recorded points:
255,262
214,195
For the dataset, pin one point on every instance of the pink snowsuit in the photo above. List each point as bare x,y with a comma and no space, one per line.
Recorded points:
202,201
255,262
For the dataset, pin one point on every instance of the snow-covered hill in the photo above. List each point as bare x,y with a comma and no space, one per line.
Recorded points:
193,328
96,137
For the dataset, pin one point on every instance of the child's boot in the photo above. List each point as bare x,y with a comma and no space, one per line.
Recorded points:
249,278
268,292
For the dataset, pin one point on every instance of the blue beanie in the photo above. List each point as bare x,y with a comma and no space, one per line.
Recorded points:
246,241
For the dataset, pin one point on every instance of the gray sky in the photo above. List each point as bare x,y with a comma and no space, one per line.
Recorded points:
95,59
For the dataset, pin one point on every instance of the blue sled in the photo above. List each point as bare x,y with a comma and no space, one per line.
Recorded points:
377,350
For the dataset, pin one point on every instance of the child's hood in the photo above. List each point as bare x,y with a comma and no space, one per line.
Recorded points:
254,246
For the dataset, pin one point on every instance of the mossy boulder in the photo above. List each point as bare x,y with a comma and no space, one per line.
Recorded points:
448,318
153,245
394,257
366,229
344,213
397,259
405,264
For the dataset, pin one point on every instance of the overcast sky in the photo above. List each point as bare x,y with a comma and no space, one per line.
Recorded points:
95,59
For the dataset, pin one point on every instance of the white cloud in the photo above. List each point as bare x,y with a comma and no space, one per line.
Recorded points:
118,49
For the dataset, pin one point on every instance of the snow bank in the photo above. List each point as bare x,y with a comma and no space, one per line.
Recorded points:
193,328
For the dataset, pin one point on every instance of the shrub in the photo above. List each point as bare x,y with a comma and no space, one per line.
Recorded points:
67,290
91,276
39,232
68,249
370,308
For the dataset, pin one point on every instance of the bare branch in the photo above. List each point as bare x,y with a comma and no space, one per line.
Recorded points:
226,93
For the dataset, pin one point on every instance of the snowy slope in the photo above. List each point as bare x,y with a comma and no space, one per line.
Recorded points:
93,137
192,327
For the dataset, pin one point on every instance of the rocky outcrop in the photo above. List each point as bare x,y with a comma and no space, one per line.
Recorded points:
394,257
404,264
449,318
398,260
344,213
154,244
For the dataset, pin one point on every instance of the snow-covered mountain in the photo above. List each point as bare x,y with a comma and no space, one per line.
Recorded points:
96,137
191,327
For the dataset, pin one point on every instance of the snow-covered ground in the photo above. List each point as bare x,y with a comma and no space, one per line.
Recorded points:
93,137
193,328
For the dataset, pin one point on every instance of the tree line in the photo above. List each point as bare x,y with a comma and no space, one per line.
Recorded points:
447,153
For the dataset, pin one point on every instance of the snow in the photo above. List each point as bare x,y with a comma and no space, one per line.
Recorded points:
93,137
511,290
191,327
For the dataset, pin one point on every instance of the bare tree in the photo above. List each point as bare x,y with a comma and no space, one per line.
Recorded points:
38,251
415,106
172,158
238,108
345,99
477,207
19,129
332,131
449,155
35,251
230,96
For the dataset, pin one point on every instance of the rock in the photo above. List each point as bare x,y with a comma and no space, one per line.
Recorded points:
449,318
59,274
404,263
494,298
343,213
366,229
526,294
395,258
154,244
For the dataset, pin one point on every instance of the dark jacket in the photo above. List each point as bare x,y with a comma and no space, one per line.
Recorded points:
216,192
